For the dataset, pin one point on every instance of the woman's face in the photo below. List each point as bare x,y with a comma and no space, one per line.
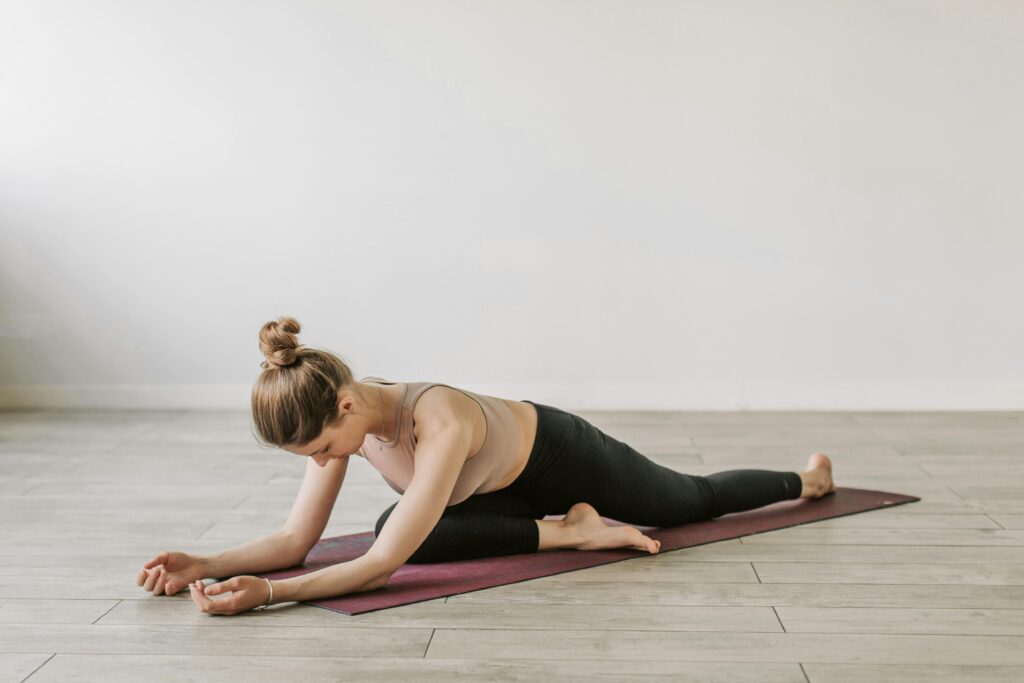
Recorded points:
339,440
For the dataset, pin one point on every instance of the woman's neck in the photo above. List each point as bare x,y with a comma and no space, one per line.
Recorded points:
384,401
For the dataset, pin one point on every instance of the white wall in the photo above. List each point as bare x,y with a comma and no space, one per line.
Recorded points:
667,205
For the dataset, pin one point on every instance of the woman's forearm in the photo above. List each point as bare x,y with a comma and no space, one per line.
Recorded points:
276,551
355,576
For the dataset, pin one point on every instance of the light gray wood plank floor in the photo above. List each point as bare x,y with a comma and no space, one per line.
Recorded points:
930,591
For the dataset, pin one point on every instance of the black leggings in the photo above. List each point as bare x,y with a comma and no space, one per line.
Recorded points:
573,461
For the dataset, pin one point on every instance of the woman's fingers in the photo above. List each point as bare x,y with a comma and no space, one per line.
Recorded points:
154,574
232,584
205,603
158,587
159,581
159,559
150,579
226,605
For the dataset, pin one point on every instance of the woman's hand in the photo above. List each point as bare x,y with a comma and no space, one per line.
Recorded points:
169,572
246,592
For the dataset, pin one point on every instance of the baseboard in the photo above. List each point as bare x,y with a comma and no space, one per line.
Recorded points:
638,396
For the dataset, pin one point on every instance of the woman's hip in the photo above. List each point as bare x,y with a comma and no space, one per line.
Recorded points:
571,458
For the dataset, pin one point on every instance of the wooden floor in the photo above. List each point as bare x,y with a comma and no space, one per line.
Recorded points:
929,591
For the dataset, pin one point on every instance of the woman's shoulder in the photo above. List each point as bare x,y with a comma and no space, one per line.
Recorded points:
441,403
436,401
438,398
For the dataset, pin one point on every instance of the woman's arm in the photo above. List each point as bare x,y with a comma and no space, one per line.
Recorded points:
355,576
440,455
289,546
278,550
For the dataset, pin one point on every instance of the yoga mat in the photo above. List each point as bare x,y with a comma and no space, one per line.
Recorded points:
419,582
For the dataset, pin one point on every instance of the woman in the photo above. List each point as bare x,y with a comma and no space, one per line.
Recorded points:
479,473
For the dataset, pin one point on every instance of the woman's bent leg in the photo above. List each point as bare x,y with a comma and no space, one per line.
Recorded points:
484,525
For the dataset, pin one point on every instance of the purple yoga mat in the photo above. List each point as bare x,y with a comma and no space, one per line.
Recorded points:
418,582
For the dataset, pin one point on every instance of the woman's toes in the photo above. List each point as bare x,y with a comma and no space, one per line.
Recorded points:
818,460
822,463
649,544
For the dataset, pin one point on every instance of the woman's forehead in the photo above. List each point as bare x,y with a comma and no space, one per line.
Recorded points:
306,448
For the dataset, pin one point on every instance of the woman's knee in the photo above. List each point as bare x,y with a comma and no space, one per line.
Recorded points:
382,519
431,550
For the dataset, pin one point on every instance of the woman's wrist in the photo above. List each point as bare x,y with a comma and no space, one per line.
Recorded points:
284,589
207,566
353,576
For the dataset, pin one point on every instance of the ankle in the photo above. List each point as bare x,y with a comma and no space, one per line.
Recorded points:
812,484
556,533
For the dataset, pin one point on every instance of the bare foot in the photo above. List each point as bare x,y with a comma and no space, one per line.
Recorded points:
819,475
594,534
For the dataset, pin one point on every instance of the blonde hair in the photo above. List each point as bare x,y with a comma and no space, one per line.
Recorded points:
296,395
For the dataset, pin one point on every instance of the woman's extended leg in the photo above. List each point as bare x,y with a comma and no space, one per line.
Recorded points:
573,461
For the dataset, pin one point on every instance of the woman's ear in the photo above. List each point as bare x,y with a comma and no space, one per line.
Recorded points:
345,404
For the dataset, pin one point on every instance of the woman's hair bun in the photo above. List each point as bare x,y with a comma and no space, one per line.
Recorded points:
279,342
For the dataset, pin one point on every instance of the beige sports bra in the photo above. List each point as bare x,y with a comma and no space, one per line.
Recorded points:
489,466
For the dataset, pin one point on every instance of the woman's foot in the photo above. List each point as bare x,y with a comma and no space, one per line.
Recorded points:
589,532
818,477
